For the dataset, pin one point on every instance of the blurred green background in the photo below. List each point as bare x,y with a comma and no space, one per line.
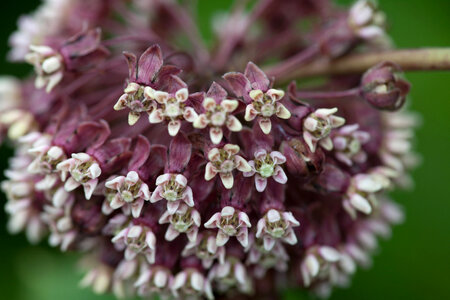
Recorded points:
414,264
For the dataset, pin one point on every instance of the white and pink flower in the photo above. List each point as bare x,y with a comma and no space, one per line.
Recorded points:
173,108
217,116
127,190
276,225
136,239
265,105
174,189
223,161
83,169
139,99
230,222
317,127
267,165
185,220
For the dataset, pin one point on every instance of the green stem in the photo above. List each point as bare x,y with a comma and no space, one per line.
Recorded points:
409,60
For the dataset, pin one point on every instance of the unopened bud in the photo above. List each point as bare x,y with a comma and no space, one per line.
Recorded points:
383,88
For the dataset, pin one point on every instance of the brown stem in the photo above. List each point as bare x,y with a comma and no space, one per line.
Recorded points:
408,59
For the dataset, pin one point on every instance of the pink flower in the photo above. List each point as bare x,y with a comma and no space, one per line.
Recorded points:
136,239
347,142
366,20
267,165
154,280
277,225
232,273
218,113
174,189
206,249
230,222
317,127
191,283
83,170
262,102
185,220
317,263
48,65
223,161
263,260
360,194
130,189
173,109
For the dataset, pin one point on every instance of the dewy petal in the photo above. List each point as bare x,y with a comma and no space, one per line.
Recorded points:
156,116
189,114
250,113
279,175
361,203
326,143
282,112
229,105
260,183
182,95
233,124
201,122
133,117
265,124
173,127
210,171
227,180
241,164
212,222
222,238
161,97
216,134
310,141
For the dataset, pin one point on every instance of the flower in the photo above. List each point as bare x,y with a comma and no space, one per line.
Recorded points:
229,274
230,222
366,21
317,127
277,225
154,280
83,170
206,249
138,99
347,142
128,189
48,65
173,109
184,220
218,113
191,283
139,95
223,161
136,239
267,165
262,102
360,195
173,188
317,263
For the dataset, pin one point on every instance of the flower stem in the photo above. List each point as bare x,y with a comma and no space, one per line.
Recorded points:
288,66
328,95
409,60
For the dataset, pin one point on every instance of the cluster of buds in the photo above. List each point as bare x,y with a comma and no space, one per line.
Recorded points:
231,179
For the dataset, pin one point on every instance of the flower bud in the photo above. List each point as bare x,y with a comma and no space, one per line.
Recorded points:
382,87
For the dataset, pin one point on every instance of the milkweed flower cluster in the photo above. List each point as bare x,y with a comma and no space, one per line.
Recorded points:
187,172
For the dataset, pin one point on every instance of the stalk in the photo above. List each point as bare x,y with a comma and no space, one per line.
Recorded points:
408,59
